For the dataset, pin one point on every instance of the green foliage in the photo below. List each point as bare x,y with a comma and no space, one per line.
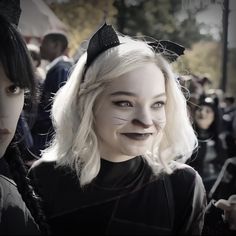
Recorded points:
204,59
194,61
82,18
148,17
157,19
153,18
231,84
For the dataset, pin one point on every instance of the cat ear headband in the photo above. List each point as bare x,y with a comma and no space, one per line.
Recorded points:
106,37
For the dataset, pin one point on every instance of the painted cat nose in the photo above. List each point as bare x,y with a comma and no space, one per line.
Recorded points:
142,123
142,118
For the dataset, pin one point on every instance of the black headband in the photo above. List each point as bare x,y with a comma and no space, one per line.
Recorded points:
106,37
171,51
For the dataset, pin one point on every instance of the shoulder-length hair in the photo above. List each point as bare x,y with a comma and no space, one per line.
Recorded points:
75,143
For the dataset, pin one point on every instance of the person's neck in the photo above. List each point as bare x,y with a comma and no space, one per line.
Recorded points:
204,133
116,158
54,57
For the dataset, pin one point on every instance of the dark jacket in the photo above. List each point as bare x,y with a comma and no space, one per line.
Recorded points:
223,188
56,77
125,198
15,217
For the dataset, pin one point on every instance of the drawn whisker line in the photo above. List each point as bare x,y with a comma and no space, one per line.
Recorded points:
120,118
117,123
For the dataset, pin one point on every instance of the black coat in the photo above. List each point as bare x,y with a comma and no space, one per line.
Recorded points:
42,130
15,218
125,198
223,188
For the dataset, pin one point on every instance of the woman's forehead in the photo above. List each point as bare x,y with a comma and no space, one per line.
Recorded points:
149,77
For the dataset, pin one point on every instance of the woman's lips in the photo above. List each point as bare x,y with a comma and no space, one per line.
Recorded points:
4,131
137,136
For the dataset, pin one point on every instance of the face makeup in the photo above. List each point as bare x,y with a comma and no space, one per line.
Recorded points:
130,113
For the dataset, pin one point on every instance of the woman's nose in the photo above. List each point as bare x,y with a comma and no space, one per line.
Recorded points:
143,118
141,123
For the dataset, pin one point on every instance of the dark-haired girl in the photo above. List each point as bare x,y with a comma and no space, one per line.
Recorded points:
19,208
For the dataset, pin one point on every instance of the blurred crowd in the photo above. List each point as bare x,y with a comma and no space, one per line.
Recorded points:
205,204
213,115
52,67
213,112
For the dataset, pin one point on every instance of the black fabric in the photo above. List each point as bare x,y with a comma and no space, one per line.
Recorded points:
125,198
208,169
225,185
197,159
102,40
214,223
15,218
4,168
111,175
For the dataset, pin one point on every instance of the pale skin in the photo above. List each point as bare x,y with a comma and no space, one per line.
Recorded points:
204,117
130,113
11,105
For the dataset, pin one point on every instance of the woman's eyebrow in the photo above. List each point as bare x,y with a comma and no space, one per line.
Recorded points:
160,95
119,93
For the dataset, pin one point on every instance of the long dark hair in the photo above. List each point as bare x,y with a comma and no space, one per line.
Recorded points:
215,128
212,133
19,174
15,57
16,62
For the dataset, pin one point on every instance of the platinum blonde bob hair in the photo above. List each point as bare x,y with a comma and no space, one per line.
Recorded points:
75,143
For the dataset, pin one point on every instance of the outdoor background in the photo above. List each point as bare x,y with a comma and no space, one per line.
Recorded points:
195,24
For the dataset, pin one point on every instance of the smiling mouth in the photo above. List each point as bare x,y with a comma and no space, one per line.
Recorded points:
137,136
4,131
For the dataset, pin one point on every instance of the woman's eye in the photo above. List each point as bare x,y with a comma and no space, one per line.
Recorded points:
158,105
13,89
123,104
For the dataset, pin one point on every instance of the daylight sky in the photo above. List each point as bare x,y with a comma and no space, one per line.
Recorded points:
212,17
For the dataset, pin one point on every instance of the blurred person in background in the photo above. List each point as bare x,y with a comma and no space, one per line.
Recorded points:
229,124
210,155
36,57
54,48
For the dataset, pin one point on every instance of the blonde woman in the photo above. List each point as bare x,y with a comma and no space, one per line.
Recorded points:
115,165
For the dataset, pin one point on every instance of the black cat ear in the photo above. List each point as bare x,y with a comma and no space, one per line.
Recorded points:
169,49
10,9
105,38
